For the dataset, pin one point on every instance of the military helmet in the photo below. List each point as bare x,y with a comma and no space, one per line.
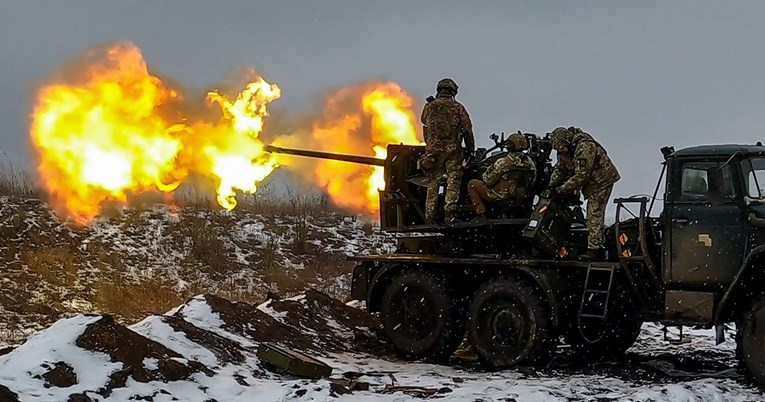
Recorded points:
518,141
447,84
561,137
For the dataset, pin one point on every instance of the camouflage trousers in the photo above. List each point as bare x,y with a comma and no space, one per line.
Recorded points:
597,200
440,164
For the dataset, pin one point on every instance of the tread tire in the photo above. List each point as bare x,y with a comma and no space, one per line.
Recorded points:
510,324
750,341
440,328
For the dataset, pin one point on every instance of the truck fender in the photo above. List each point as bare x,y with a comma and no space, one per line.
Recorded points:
544,279
378,282
747,267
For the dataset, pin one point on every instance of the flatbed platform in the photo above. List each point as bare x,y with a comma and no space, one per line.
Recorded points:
483,260
461,225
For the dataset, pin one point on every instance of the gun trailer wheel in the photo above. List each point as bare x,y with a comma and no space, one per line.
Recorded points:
510,324
421,317
750,339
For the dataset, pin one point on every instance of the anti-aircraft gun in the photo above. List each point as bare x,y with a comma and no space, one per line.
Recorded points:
402,202
698,263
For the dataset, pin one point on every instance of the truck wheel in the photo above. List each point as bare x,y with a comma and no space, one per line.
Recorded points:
619,330
750,341
510,324
421,316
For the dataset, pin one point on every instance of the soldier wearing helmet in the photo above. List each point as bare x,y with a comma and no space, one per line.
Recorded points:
583,164
508,179
446,124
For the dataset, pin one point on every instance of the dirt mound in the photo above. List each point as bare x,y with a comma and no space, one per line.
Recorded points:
7,395
311,321
339,327
226,350
142,359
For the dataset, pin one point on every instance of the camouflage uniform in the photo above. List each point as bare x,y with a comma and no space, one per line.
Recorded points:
509,178
446,124
589,170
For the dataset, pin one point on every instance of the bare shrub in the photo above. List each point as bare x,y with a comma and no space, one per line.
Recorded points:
14,180
206,247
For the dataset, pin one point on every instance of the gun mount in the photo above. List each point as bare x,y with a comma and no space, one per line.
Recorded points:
402,201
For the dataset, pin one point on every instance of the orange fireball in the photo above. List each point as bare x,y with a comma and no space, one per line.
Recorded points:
107,128
101,136
362,120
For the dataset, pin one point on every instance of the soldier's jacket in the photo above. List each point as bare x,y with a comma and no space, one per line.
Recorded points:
446,124
590,169
510,176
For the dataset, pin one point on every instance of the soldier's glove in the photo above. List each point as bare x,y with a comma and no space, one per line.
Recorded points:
550,193
468,156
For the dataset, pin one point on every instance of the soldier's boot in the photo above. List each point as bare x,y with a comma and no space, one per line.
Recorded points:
592,254
480,219
449,217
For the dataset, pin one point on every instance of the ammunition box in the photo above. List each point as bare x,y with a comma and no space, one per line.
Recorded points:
293,362
548,227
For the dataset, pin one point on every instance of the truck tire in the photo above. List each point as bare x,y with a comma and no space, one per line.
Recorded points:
750,341
510,324
421,316
620,329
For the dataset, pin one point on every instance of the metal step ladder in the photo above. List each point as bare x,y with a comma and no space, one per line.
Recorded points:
595,297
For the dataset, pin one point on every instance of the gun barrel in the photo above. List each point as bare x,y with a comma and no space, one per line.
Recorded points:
364,160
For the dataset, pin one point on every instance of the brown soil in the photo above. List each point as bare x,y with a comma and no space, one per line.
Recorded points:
316,323
130,348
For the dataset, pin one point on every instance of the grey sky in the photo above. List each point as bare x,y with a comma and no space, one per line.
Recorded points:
635,74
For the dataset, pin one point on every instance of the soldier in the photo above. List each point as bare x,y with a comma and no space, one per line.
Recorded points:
446,124
509,178
583,164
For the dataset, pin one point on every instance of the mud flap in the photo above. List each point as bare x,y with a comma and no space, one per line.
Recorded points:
719,334
359,283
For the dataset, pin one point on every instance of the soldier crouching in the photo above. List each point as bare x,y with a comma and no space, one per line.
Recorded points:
583,164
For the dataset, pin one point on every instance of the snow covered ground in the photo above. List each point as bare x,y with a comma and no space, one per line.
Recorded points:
205,349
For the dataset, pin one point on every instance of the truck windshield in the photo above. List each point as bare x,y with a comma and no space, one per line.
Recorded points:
754,173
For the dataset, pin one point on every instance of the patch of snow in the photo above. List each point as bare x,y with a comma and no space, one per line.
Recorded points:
277,315
157,330
151,363
22,369
197,312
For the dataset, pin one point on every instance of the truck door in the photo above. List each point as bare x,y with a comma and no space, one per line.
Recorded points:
706,226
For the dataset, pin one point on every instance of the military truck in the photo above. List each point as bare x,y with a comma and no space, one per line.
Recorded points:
513,284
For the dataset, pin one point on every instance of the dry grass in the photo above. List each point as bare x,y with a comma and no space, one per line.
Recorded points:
135,299
52,267
14,180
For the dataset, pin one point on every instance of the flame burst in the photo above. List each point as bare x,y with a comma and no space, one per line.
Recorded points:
101,135
361,119
108,129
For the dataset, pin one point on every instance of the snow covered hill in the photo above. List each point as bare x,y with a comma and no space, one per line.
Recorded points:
205,349
90,282
140,262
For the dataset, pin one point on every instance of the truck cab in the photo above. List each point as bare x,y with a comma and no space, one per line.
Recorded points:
711,230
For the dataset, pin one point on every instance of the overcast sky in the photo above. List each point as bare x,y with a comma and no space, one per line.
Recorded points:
636,74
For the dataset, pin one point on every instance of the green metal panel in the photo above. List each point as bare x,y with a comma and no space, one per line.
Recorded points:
293,362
